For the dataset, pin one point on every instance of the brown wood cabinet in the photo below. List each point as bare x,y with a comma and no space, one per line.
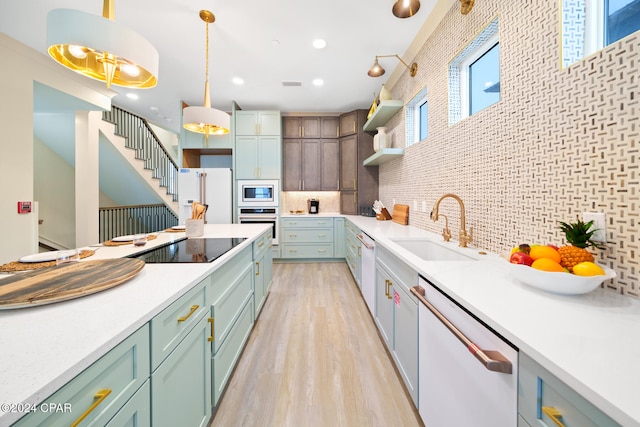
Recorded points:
311,164
358,184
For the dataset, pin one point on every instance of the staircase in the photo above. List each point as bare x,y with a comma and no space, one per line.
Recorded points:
137,142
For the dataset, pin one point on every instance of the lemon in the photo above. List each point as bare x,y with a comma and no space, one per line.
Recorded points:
546,264
588,268
541,251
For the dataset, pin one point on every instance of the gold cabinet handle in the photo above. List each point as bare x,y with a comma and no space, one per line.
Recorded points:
293,235
261,244
99,398
213,331
322,235
302,131
322,251
355,185
193,310
554,414
389,293
386,287
258,268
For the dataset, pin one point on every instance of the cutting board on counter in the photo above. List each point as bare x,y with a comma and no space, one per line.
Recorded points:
65,282
401,214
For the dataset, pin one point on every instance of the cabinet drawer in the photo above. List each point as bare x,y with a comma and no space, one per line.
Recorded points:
224,361
137,411
259,246
109,382
170,326
321,250
222,279
226,309
407,276
307,235
307,222
540,392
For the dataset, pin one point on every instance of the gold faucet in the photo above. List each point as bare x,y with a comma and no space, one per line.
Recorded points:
463,237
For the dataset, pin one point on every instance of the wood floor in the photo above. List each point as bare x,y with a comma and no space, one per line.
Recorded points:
315,358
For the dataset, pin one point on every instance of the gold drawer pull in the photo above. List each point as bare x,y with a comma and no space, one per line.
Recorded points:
257,268
293,235
322,235
99,397
554,414
193,310
261,244
322,251
213,330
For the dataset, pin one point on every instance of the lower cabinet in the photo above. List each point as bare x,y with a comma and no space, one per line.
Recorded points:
136,412
352,251
262,267
397,316
544,400
307,238
101,391
181,386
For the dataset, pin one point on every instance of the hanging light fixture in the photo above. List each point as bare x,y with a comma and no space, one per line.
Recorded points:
405,8
376,69
206,120
99,48
466,6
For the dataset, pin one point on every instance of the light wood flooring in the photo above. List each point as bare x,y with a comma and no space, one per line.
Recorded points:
315,358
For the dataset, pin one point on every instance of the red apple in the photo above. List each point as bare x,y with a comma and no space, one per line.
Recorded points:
520,258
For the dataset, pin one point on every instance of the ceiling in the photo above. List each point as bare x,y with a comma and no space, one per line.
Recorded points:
264,43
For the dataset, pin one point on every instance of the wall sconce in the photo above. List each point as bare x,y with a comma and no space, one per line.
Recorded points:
376,70
405,8
466,6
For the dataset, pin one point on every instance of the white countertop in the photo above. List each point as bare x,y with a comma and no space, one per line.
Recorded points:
591,341
42,348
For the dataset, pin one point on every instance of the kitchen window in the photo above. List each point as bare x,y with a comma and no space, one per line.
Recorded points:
417,119
590,25
474,75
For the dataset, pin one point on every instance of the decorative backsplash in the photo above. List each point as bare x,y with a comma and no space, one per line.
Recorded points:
297,200
559,142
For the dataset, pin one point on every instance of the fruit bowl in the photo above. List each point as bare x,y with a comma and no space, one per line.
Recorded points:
559,283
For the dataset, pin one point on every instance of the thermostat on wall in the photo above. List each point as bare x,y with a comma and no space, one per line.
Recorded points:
24,207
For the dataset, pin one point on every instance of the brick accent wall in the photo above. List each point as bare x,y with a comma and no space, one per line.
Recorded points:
559,142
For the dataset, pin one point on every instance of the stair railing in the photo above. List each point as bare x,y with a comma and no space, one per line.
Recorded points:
124,220
140,137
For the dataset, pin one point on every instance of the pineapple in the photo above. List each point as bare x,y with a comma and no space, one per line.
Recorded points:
578,234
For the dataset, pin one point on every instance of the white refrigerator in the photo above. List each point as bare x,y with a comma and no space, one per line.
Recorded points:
208,186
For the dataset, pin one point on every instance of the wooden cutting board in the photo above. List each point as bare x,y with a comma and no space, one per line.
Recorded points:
65,282
401,214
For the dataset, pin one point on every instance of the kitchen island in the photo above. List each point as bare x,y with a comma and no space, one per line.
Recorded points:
45,347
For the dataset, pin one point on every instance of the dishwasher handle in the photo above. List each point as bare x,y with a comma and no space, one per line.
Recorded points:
492,360
366,245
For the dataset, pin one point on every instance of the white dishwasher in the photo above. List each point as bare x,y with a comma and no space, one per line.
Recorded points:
368,271
468,375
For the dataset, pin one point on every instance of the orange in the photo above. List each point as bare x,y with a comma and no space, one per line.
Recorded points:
587,268
546,264
544,252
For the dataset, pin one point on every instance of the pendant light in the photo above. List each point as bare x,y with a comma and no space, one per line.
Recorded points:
405,8
99,48
206,120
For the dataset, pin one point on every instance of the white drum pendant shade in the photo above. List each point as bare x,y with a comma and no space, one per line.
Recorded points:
102,49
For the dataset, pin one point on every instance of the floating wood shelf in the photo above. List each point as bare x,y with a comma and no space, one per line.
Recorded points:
383,113
383,156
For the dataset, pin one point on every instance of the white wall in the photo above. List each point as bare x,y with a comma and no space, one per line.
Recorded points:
21,66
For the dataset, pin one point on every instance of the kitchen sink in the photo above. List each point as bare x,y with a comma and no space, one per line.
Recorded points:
428,250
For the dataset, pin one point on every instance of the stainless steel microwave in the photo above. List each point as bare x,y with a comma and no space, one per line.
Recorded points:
258,193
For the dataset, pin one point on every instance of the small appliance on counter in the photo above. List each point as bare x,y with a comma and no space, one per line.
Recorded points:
367,211
313,206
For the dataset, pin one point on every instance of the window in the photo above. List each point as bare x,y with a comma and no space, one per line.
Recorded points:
474,75
417,120
590,25
622,17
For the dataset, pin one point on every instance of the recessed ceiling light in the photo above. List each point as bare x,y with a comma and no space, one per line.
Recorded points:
132,95
275,42
319,44
237,81
318,82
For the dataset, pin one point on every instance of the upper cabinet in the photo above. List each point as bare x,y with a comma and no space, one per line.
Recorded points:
257,123
348,124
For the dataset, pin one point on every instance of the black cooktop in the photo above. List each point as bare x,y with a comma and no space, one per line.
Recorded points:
189,250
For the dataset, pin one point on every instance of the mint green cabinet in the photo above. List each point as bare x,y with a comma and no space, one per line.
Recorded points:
397,315
308,238
353,251
136,412
262,267
101,390
256,123
545,401
338,238
258,157
181,386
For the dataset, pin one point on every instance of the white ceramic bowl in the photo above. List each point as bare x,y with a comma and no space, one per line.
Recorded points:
559,283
